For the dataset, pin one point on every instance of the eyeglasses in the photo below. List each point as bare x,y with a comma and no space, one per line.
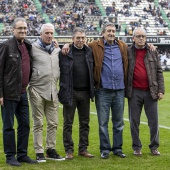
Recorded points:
78,38
113,31
21,28
140,36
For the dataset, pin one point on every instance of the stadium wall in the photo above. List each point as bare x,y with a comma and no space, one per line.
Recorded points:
156,40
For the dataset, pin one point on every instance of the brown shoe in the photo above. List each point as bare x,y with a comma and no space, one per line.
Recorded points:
137,153
86,154
69,156
155,152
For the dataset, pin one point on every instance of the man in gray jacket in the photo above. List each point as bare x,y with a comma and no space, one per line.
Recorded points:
144,88
43,93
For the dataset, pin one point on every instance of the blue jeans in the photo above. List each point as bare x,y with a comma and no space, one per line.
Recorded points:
106,100
21,111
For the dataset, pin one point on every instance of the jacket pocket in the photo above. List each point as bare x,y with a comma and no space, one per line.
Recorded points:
64,95
14,55
154,90
96,74
13,63
35,73
155,86
152,63
65,69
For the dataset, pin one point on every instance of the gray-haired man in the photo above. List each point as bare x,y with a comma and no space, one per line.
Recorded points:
144,88
43,93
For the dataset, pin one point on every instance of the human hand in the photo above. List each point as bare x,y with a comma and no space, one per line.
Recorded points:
160,96
1,101
55,43
65,49
152,47
86,44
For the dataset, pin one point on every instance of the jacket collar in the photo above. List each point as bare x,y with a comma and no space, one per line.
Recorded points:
146,46
27,43
101,42
70,53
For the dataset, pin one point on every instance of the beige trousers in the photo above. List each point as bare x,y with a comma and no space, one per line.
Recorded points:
41,107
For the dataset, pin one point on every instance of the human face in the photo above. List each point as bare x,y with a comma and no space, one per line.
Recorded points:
20,30
47,35
79,39
109,34
139,38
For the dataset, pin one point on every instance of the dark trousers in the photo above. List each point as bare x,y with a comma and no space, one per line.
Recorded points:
139,99
81,101
21,111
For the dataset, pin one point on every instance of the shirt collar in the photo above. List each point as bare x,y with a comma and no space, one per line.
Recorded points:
115,42
140,48
78,48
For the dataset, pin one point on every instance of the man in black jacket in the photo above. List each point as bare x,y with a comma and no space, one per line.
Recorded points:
76,89
15,69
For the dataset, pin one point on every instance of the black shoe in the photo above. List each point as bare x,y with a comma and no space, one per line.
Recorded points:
13,162
155,152
40,157
137,152
27,159
120,154
53,155
104,155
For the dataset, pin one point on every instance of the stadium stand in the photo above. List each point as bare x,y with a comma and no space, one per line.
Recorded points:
148,14
19,8
154,16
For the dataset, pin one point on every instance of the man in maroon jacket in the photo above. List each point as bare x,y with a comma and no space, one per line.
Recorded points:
144,88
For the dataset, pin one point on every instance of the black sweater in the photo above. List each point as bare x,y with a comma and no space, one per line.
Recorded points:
80,70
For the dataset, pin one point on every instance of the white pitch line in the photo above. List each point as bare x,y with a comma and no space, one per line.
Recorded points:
144,123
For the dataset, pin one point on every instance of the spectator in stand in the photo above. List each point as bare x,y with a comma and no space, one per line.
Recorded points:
126,32
100,22
61,3
164,32
25,6
165,24
43,7
130,32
